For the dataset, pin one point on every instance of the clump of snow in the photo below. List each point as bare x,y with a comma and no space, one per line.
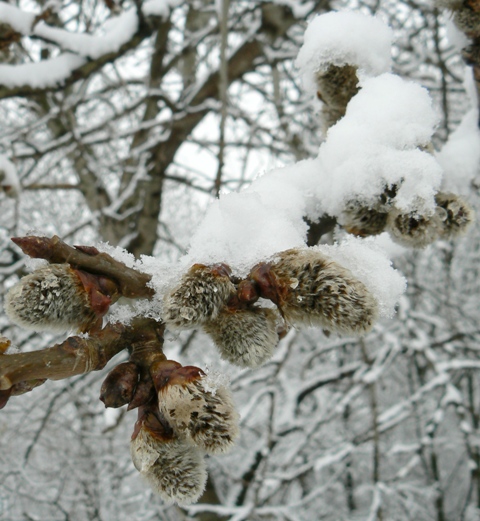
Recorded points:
370,265
240,229
116,31
376,145
119,254
34,264
460,156
19,20
344,38
47,73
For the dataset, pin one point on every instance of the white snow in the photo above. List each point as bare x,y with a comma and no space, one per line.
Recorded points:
375,145
9,177
159,7
117,31
341,38
48,73
20,20
371,266
117,253
460,156
452,395
240,230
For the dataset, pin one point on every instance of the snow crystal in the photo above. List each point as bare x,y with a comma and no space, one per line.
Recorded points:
460,156
47,73
370,265
117,253
34,264
342,38
214,380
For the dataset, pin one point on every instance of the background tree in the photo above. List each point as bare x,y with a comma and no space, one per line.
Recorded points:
128,120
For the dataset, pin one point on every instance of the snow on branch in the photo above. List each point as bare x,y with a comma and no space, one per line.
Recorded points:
82,54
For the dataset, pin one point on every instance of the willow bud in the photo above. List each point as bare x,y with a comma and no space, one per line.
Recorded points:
468,21
457,215
414,231
119,386
311,289
245,337
363,221
174,469
53,297
199,413
200,295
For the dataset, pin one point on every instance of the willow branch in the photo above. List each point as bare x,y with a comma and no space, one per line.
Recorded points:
76,355
131,283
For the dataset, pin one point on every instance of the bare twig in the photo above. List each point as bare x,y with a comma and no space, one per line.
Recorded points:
132,283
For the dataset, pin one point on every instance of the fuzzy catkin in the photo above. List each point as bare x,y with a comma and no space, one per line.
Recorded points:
363,221
245,337
174,469
51,298
321,292
198,297
457,215
412,230
208,419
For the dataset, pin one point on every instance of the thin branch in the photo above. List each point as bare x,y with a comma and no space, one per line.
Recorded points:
132,283
222,89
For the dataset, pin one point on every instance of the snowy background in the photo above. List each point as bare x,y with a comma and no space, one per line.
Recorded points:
96,129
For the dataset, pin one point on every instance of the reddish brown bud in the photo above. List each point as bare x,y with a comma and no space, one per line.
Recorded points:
101,291
270,287
161,372
247,291
4,345
144,394
35,247
119,386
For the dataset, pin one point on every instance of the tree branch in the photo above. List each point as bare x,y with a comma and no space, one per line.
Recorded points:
132,283
83,71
